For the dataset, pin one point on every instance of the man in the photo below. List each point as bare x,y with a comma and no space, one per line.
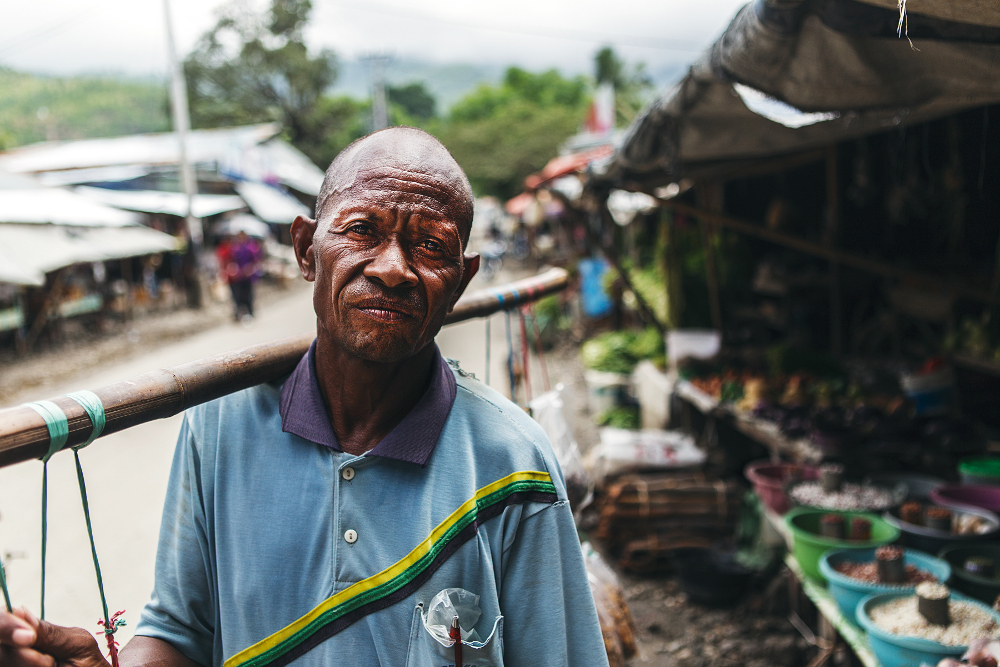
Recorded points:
317,521
239,261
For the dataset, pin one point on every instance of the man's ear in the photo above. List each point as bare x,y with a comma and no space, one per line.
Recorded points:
470,264
303,229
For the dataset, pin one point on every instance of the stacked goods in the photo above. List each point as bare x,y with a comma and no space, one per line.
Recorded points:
645,517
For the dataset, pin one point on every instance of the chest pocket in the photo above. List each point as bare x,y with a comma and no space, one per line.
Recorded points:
425,651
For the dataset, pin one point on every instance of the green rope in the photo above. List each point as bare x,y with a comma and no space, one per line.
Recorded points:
3,585
90,534
58,427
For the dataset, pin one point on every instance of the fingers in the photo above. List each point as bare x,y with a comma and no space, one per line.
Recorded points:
24,657
16,630
74,645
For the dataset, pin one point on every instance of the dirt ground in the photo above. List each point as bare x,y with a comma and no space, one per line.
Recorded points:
79,347
673,631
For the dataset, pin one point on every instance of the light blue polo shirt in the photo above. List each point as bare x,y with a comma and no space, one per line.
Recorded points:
275,549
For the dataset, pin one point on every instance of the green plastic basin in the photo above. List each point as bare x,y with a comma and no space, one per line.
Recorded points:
809,546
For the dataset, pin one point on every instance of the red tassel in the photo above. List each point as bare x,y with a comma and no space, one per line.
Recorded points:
109,634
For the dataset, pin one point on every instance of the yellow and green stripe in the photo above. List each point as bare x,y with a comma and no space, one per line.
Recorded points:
400,580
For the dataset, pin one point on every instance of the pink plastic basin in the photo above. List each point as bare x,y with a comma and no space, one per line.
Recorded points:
986,497
769,481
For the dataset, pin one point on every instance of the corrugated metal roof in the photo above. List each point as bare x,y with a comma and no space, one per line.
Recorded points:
157,148
158,201
251,153
59,207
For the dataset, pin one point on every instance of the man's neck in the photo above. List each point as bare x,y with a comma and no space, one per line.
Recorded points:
366,400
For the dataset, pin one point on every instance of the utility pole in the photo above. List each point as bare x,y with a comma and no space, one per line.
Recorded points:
182,125
380,113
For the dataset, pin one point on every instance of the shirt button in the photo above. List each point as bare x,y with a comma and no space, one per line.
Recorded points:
347,473
351,536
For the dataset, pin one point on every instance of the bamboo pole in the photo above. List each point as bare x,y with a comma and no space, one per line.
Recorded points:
165,392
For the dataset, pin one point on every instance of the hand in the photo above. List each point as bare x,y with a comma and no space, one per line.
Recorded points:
26,641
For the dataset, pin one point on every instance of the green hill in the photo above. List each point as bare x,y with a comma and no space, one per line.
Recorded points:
38,108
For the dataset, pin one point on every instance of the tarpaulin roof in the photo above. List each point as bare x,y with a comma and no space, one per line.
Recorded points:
566,164
251,152
838,60
158,201
59,207
37,249
271,204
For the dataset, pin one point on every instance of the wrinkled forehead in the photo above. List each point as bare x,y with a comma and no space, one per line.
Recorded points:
396,185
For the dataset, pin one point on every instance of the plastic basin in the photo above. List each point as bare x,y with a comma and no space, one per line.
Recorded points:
986,497
931,540
980,471
769,481
918,487
808,545
848,592
973,585
895,651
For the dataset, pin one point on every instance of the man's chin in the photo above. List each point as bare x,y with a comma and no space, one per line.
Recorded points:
380,350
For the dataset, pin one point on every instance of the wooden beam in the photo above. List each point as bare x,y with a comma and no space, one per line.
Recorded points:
861,263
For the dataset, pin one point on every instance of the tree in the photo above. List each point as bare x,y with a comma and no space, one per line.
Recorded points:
414,99
253,68
501,134
632,86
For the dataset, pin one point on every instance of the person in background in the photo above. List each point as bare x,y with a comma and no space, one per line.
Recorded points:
240,260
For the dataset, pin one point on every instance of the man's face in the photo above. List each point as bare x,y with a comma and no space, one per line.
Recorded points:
387,259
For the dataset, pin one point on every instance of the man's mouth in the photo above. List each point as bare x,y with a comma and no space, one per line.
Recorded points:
384,310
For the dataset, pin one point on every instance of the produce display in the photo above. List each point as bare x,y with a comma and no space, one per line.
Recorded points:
944,519
966,621
869,573
850,496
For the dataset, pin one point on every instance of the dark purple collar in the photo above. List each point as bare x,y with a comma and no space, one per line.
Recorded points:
304,414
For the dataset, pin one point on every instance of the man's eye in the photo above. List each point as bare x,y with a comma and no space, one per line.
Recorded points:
360,228
431,244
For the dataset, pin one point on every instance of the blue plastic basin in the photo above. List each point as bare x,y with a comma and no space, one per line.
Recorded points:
848,592
895,651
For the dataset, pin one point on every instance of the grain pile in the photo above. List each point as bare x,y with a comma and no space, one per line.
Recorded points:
968,622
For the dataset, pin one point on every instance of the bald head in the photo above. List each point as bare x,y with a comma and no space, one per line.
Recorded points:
410,157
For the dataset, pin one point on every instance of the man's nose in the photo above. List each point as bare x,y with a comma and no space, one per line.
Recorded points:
391,266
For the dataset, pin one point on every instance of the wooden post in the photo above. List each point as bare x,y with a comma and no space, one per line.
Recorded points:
707,238
830,240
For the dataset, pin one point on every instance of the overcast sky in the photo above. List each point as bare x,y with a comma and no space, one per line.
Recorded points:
127,36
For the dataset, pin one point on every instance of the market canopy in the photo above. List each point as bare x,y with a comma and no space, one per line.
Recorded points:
159,201
32,250
792,75
270,203
59,207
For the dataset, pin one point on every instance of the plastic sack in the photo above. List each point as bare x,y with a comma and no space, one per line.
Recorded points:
650,449
549,410
445,606
617,626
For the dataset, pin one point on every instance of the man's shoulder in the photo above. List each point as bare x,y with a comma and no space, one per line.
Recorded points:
499,430
248,409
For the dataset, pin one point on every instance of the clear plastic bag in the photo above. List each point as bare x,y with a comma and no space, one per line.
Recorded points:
549,410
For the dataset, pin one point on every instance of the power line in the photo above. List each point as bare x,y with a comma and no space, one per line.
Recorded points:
548,33
49,31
